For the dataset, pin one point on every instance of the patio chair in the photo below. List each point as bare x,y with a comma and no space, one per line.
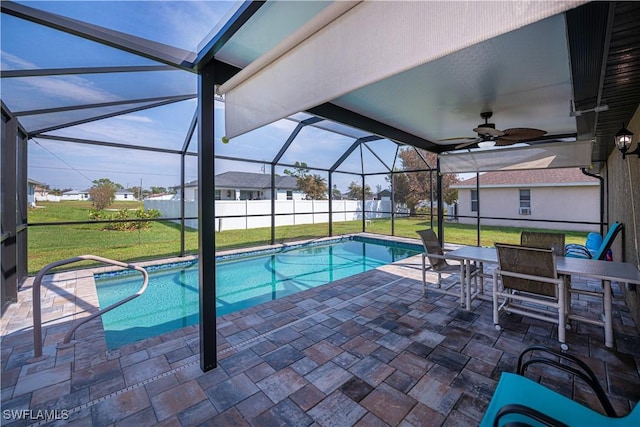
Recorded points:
519,401
527,281
543,240
582,251
438,264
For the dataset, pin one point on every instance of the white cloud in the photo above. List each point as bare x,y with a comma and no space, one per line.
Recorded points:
136,118
70,88
12,62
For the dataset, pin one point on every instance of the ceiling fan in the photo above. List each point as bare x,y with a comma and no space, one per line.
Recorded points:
488,133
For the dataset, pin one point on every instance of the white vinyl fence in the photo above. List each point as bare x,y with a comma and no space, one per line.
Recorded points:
239,214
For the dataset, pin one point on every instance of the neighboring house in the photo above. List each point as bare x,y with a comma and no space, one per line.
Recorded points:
32,186
248,186
42,194
122,195
541,194
76,195
384,195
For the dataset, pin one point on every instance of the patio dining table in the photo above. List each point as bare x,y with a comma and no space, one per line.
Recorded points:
606,271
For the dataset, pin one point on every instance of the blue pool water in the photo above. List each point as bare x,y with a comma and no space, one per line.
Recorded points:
171,300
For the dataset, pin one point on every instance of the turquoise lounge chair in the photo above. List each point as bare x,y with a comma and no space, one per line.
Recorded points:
582,251
519,401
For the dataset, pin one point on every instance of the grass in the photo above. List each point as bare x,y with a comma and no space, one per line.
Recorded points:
49,243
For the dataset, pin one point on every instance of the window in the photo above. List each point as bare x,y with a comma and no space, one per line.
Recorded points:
474,200
525,202
217,195
289,195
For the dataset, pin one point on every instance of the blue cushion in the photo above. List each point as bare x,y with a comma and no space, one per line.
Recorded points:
516,389
594,241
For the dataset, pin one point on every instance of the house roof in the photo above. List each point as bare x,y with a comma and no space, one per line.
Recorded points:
532,178
250,180
34,182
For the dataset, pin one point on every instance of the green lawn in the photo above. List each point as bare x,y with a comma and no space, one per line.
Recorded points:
51,243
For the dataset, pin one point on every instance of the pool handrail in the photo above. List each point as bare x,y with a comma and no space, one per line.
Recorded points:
37,314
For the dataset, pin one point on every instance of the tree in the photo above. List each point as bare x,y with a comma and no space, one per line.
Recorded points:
158,190
337,194
103,193
58,192
355,191
300,169
412,187
137,191
107,181
314,186
400,186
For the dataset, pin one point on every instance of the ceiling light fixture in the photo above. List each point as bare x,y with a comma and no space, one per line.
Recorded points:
486,144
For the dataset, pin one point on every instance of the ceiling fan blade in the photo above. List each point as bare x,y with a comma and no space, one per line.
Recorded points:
504,141
519,134
488,131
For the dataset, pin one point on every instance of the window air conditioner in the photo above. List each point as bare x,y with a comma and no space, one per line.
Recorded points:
525,211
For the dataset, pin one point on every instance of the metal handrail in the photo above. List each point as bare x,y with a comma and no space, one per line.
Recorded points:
37,314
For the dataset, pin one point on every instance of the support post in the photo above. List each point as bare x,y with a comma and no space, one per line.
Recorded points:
9,273
206,216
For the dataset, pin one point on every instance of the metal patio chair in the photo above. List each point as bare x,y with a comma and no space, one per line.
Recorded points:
527,281
434,252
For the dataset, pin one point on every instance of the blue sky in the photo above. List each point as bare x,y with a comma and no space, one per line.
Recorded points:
183,24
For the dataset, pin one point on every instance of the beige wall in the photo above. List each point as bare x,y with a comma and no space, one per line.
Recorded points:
623,178
566,203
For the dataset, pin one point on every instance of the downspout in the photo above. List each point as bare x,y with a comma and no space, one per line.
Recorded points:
601,179
440,210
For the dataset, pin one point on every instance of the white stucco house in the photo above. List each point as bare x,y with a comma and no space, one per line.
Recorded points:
248,186
121,195
76,195
540,194
126,196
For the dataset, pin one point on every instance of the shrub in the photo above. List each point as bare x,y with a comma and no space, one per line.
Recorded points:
122,215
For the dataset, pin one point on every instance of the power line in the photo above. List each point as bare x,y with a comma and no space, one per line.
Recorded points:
138,173
57,157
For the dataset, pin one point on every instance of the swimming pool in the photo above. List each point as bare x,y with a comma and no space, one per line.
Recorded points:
242,281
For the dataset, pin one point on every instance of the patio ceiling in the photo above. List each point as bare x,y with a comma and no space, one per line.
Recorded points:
549,75
587,57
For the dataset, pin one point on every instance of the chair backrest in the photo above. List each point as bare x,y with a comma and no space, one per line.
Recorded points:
531,261
432,247
615,228
543,240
